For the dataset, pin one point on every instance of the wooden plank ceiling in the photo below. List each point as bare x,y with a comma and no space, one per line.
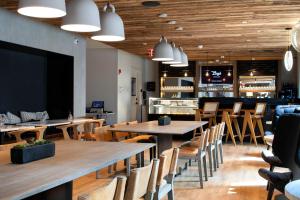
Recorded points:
240,28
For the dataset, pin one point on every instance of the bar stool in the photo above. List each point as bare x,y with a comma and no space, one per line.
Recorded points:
253,118
233,118
209,111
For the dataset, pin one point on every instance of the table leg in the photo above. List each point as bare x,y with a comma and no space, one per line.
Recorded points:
1,138
164,142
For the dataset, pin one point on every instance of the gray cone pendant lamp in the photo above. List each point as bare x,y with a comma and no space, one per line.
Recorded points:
112,26
82,16
42,8
163,51
176,54
184,60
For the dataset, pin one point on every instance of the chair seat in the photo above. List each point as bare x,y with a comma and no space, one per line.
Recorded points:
188,152
279,180
269,158
257,116
234,116
203,116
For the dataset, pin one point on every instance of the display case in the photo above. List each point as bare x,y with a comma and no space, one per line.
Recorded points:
172,106
257,86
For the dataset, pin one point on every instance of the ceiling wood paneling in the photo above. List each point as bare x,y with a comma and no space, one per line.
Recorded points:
216,24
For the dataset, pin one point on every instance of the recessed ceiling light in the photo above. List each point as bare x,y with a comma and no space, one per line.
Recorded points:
253,58
217,60
244,22
172,22
248,40
145,43
150,4
179,28
200,46
222,57
163,15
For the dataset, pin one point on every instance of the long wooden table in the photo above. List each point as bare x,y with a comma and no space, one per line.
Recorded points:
164,133
52,178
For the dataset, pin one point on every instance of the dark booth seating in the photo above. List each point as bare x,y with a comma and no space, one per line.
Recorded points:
286,147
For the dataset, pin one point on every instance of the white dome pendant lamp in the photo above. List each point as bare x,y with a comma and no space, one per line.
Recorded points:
288,60
112,26
163,51
288,57
177,55
184,60
42,8
82,16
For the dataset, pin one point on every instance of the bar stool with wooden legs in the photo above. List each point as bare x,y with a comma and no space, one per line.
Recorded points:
209,111
233,116
196,150
253,118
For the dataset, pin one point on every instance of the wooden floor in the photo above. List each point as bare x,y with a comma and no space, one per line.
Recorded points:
236,179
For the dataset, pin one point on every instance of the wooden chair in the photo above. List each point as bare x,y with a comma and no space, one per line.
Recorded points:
7,147
219,143
196,150
209,111
114,190
88,132
119,136
211,150
39,132
166,173
233,117
253,118
142,182
102,134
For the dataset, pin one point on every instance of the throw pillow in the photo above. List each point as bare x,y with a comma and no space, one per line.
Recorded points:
42,115
28,116
4,119
13,119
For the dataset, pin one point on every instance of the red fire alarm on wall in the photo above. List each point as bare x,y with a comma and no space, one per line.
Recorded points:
119,71
150,52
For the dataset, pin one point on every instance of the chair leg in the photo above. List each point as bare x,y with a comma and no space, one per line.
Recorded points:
217,154
205,168
221,152
190,162
200,171
210,162
214,160
171,194
271,191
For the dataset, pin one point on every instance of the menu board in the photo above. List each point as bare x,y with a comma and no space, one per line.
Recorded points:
217,75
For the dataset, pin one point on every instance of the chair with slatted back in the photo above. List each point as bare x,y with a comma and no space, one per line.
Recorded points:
219,143
119,136
209,111
233,117
114,190
142,182
166,173
196,150
211,150
89,129
7,147
252,119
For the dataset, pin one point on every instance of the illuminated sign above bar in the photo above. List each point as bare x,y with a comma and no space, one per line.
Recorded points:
217,75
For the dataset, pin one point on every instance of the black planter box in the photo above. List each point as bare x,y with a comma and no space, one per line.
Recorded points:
28,154
165,120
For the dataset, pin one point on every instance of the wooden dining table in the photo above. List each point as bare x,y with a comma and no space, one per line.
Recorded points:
52,178
164,133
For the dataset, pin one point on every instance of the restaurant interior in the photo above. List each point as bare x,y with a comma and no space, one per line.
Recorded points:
154,100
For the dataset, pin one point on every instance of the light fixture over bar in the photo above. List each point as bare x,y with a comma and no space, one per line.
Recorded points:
177,55
82,16
112,26
42,8
184,60
163,51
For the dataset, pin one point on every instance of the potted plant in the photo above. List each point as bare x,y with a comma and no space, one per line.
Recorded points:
29,152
